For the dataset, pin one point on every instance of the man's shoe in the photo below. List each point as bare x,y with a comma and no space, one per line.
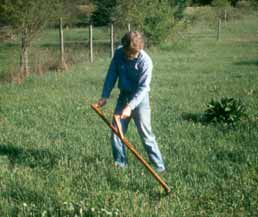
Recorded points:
120,165
160,169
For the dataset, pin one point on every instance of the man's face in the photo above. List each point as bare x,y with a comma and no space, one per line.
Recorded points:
131,53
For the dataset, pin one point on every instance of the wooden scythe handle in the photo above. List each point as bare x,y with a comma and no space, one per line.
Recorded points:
118,124
118,131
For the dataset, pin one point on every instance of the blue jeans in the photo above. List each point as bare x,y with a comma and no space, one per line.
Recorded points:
142,118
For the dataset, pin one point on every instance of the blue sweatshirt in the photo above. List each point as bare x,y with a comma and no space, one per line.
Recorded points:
134,76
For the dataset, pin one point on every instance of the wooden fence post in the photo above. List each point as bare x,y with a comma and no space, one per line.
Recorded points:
129,27
225,15
63,65
112,40
91,43
24,59
219,29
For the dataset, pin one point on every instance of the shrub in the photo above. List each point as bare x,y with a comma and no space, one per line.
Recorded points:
220,3
201,14
154,18
210,14
227,110
158,25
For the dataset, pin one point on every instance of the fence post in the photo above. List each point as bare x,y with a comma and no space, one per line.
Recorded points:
63,65
219,29
24,61
129,27
225,15
112,40
91,43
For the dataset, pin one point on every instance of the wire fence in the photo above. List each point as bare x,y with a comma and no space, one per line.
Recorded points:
55,48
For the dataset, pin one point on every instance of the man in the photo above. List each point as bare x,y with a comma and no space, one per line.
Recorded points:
132,66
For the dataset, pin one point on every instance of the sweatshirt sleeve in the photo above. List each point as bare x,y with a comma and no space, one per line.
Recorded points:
143,84
110,79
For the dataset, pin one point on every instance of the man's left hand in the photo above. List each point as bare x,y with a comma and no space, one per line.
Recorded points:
126,113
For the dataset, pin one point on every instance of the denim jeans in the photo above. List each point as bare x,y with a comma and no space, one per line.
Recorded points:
142,118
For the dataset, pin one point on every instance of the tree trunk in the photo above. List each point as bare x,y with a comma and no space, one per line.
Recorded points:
91,43
63,65
24,61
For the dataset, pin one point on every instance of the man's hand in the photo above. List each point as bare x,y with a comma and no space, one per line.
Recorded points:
101,102
126,113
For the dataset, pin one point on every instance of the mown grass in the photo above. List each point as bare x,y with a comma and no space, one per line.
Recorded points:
55,154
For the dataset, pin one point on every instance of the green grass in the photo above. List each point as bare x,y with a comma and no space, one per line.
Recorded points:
8,58
44,50
55,153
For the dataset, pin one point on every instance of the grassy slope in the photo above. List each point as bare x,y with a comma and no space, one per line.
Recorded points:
55,156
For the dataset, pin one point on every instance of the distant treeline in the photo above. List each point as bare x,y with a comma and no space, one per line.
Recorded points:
105,10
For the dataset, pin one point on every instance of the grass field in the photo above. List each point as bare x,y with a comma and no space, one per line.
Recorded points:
44,51
55,153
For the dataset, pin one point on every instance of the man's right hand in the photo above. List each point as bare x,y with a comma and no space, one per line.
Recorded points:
101,102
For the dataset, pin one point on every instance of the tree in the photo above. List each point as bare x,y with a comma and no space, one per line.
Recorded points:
103,13
222,6
155,18
201,2
77,12
28,18
84,13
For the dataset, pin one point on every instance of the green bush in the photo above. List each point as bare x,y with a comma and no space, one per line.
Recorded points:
220,3
201,14
158,25
154,18
227,110
210,14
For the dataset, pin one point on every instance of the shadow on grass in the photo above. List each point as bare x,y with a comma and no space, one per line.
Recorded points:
8,45
134,184
18,192
28,157
195,117
114,181
27,200
231,156
205,121
247,62
158,195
